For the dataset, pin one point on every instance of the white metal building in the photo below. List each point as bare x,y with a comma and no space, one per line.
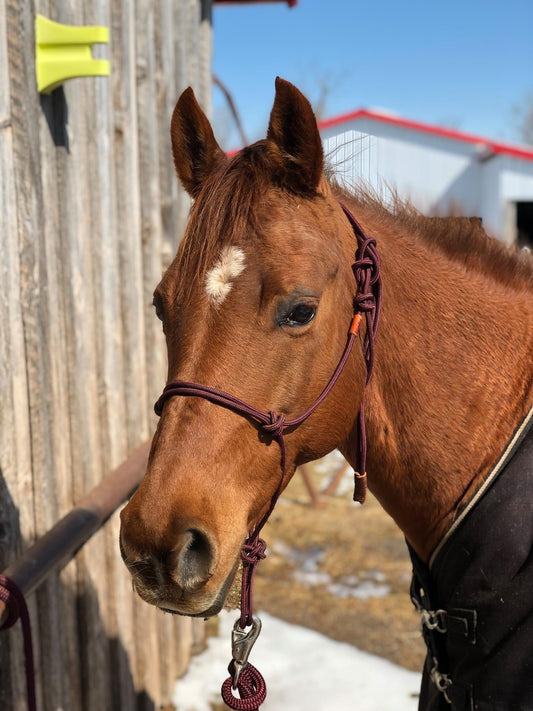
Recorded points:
441,171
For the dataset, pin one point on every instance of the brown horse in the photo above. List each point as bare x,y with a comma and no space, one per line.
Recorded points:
258,302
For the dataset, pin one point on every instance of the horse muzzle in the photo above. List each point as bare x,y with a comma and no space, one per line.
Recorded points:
183,575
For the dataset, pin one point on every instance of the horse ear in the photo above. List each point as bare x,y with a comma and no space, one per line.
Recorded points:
194,146
294,130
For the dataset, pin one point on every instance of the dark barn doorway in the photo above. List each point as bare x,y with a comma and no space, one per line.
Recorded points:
524,224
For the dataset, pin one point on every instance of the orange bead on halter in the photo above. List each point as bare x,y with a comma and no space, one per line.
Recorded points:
356,321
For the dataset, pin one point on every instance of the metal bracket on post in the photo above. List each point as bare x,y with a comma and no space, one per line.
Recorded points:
64,52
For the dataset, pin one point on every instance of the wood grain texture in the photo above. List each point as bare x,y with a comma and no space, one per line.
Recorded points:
91,216
15,448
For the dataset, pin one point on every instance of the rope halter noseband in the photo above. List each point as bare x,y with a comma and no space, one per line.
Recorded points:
367,302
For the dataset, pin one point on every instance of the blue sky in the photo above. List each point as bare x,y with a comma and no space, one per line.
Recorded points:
465,64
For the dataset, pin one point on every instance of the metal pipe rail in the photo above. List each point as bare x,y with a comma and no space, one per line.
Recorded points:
61,543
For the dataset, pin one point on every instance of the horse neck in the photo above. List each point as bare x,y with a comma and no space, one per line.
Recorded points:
452,379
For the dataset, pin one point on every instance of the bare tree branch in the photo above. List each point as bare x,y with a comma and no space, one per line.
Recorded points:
232,108
524,117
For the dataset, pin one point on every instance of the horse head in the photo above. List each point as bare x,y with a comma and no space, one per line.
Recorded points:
257,303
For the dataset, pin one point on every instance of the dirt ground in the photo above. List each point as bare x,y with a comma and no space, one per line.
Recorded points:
341,569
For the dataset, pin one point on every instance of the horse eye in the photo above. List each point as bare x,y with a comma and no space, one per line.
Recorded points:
300,315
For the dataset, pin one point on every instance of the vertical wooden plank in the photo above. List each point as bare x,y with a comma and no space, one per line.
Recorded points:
121,630
151,240
190,39
128,227
77,212
108,342
181,82
106,297
14,429
205,55
36,294
166,99
24,161
151,231
57,600
183,649
15,454
128,285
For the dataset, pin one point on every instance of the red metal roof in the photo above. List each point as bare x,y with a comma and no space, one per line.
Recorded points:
494,147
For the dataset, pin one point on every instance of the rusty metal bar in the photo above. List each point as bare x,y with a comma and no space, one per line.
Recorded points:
61,543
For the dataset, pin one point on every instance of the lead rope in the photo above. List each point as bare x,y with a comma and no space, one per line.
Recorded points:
15,603
244,677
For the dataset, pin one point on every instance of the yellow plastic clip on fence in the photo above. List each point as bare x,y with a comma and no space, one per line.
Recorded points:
64,52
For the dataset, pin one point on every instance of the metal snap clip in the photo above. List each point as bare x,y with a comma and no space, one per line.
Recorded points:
242,642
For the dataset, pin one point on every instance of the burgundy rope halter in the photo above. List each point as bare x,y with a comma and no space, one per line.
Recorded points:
367,302
15,602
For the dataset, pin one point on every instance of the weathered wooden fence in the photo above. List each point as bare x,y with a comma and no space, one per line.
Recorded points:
90,214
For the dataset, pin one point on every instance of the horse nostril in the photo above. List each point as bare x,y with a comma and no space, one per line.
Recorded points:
192,560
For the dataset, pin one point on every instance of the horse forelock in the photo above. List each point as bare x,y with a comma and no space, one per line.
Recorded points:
225,213
229,211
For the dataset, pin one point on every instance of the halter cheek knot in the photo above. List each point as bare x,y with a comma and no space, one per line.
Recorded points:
364,302
360,268
253,550
276,425
367,262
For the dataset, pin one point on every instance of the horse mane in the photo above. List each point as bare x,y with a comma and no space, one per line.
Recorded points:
241,183
460,239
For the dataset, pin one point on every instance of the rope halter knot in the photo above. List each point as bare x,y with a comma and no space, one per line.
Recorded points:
366,270
253,550
276,426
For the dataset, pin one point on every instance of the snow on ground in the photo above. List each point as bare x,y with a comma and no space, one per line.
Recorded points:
370,583
303,670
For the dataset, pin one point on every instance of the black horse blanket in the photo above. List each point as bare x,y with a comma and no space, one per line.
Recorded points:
476,596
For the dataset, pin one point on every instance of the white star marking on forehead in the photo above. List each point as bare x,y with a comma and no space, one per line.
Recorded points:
219,279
